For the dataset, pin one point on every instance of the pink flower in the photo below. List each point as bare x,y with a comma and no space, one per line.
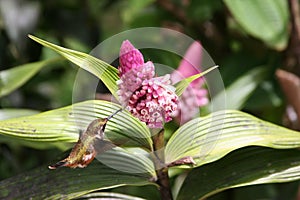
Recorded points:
130,58
153,103
151,99
132,80
195,95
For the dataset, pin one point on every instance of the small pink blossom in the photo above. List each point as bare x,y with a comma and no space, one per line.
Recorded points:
130,58
133,79
195,95
154,102
151,99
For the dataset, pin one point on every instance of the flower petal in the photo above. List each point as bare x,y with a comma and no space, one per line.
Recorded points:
153,103
130,58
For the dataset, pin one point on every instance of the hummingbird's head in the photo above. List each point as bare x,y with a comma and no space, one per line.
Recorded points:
97,126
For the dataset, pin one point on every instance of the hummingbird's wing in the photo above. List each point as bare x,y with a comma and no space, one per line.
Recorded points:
102,146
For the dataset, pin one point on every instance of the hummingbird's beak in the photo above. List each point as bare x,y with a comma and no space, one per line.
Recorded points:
104,121
108,118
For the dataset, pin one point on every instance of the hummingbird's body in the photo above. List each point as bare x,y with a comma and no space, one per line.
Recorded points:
86,147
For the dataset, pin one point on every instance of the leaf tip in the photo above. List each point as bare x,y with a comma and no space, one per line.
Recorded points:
33,37
30,36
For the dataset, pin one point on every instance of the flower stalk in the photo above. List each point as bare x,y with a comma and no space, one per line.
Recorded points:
152,100
160,166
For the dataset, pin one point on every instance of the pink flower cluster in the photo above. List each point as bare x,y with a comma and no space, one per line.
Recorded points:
195,95
150,99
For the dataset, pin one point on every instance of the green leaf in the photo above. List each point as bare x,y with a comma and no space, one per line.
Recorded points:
12,79
239,91
66,183
209,138
63,125
8,113
133,8
266,20
248,166
183,84
129,160
109,195
105,72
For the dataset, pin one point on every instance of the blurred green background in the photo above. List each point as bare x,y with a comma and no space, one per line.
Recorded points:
239,37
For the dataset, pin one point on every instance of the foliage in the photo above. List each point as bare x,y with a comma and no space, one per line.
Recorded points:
248,47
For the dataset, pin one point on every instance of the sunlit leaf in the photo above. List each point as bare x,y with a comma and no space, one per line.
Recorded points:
248,166
8,113
128,160
66,183
266,20
209,138
105,72
239,91
64,125
109,195
183,84
13,78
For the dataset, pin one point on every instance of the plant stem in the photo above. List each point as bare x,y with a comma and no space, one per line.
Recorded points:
164,184
160,166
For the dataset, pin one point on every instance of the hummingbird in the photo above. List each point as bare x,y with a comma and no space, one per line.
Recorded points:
90,143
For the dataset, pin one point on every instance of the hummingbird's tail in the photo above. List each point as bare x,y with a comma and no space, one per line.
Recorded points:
59,164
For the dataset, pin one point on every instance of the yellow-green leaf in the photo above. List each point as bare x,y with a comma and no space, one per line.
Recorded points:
63,125
183,84
13,78
105,72
247,166
209,138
